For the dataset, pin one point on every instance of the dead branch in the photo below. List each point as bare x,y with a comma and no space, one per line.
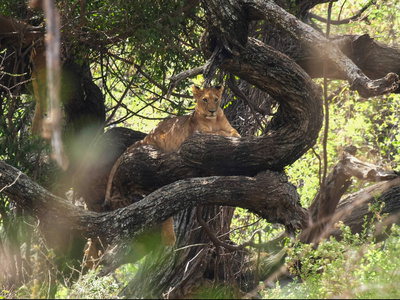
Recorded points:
323,210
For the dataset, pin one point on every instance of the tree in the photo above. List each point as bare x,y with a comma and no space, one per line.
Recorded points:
201,182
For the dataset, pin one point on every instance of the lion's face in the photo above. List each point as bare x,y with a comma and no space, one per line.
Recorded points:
208,100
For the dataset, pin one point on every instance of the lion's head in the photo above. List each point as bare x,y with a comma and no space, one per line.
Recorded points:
208,100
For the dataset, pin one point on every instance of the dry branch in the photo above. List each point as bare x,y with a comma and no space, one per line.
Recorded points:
323,210
353,209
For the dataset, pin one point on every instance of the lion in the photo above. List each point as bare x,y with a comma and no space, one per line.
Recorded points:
208,118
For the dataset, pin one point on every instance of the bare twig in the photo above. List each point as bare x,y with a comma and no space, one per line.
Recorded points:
356,17
12,183
326,102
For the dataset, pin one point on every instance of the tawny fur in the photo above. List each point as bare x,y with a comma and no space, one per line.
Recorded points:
169,134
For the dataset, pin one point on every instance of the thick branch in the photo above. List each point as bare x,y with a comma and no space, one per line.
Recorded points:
146,168
375,59
268,194
293,130
269,11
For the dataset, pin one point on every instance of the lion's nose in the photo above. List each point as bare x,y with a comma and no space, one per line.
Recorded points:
212,111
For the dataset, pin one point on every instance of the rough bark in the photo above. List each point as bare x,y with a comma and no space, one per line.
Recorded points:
375,59
292,131
270,71
353,209
273,14
124,227
121,226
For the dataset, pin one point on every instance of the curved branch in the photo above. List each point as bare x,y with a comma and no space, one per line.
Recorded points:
269,195
269,11
292,131
146,168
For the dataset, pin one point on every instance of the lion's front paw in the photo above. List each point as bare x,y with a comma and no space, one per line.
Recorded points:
236,134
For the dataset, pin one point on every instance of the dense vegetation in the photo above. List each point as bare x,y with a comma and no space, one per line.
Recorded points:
135,51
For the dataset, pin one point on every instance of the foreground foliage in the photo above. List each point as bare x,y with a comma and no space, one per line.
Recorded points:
356,267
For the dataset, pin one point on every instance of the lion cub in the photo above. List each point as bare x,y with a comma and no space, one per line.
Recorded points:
169,134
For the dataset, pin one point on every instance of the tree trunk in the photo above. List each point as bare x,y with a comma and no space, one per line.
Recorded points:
177,272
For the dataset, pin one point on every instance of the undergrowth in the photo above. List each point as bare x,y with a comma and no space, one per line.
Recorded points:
355,267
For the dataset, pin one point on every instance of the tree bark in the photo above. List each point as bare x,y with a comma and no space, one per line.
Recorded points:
353,209
292,131
375,59
126,228
273,14
121,226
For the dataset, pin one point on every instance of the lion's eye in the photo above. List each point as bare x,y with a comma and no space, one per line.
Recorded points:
205,100
216,99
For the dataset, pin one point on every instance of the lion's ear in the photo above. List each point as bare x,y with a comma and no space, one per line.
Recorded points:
219,88
196,91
